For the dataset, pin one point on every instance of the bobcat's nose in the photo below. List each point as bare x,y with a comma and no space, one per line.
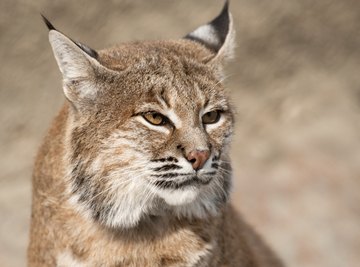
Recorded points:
197,158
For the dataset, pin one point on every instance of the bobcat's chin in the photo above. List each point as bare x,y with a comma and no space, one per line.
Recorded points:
181,196
184,192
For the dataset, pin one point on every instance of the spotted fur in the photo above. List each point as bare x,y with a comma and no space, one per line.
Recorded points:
111,188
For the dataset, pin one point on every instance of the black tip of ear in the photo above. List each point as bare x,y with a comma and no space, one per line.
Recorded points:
48,23
91,52
216,30
222,22
226,7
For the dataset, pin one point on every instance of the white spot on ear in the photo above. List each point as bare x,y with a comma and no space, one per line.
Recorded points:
217,35
206,34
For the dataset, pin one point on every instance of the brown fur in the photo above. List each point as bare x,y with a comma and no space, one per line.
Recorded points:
81,157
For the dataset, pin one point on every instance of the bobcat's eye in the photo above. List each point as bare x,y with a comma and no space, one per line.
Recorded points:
211,117
155,118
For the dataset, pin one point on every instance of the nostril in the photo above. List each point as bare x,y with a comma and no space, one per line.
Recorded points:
192,160
197,158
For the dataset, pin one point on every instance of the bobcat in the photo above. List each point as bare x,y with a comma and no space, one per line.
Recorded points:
135,168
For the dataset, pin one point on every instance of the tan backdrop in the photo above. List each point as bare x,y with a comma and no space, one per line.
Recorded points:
295,84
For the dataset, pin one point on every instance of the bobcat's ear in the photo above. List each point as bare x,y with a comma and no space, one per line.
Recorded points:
217,35
77,64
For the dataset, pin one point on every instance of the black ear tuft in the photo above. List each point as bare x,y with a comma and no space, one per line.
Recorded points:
221,23
48,23
91,52
213,34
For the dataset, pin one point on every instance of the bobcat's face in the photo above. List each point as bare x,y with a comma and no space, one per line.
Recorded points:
148,130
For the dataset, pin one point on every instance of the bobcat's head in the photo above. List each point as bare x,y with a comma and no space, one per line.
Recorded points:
149,125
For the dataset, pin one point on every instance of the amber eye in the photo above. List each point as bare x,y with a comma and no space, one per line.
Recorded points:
211,117
155,118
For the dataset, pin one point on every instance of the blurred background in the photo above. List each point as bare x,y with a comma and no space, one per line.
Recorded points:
295,84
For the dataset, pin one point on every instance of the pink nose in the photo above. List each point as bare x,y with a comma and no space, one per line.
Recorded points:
197,158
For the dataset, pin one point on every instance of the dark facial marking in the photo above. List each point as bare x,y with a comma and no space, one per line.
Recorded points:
169,184
168,159
170,175
167,167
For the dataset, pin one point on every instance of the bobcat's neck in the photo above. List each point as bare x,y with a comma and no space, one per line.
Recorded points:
49,170
158,241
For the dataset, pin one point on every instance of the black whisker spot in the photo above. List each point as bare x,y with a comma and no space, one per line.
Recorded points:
215,165
171,184
164,184
172,159
193,180
168,159
167,167
216,158
169,175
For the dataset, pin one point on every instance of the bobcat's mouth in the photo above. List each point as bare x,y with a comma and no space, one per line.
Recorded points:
172,175
190,180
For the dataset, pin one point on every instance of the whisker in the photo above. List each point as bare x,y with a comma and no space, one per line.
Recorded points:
221,81
224,171
219,188
110,188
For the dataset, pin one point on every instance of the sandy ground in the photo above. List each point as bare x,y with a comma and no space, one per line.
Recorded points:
295,84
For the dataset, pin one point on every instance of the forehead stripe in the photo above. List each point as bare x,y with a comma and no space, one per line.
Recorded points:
163,102
174,118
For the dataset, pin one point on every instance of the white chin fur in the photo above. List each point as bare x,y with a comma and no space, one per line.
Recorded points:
179,197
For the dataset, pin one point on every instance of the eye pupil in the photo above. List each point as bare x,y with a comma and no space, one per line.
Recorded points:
155,118
211,117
